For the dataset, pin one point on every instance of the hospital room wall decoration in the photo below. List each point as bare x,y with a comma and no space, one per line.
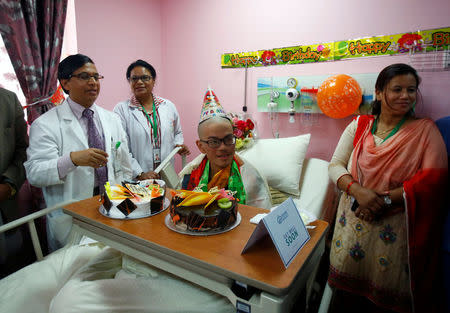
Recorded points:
421,41
308,89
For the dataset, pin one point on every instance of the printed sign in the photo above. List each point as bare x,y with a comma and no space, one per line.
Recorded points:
286,229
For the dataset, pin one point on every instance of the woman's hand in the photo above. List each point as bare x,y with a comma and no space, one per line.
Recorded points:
148,175
369,199
184,150
365,214
371,203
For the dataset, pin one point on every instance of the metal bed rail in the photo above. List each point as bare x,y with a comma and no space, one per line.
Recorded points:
29,219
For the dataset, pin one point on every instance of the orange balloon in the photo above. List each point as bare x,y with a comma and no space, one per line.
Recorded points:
339,96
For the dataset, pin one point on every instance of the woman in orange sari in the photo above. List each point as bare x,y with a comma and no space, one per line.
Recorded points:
392,168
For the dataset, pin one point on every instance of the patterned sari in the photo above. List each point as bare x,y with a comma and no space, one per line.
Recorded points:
392,261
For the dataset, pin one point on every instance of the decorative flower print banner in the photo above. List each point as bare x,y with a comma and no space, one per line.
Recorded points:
419,42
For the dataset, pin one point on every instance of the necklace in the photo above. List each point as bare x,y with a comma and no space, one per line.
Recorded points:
384,131
393,130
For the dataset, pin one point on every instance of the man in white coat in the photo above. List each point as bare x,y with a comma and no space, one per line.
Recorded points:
75,147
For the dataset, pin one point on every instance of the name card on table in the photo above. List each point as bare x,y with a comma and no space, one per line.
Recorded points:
286,229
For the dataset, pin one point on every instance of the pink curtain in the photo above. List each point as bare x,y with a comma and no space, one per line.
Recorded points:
32,31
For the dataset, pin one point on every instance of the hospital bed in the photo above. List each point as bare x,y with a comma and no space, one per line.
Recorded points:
315,194
165,169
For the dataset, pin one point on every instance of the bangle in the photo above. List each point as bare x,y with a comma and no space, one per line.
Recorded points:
349,185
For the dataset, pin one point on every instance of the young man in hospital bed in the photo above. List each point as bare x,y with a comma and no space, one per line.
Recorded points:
94,278
218,165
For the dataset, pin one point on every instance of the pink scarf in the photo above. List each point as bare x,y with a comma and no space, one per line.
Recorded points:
416,159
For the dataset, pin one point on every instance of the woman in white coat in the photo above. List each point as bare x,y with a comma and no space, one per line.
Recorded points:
152,123
60,159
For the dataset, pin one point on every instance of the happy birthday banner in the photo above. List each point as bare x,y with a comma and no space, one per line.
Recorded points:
419,42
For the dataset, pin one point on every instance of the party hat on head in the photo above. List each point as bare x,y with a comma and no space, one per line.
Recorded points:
211,106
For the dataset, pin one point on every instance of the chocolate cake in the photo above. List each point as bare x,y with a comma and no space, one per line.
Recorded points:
197,218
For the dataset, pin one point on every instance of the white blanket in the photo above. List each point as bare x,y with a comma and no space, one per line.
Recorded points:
98,279
32,288
105,285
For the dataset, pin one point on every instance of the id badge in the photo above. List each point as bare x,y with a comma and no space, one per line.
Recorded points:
156,155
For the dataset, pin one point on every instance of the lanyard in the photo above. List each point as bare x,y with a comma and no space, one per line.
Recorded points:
392,133
155,121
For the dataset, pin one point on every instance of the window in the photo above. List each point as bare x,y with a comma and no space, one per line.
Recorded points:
8,78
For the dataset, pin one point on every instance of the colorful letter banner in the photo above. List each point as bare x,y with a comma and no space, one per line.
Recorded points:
420,41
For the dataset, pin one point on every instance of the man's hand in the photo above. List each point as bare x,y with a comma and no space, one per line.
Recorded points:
184,150
5,192
148,175
92,157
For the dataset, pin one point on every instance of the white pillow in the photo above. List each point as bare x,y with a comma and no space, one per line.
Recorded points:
280,161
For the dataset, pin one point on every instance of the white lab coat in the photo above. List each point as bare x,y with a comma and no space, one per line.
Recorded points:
138,132
56,133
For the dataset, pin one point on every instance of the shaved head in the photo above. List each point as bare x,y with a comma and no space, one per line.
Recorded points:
203,127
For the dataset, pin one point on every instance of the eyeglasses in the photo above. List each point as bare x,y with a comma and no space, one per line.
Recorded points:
215,143
86,77
144,78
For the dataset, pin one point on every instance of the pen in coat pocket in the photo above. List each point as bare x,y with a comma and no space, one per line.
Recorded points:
116,145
